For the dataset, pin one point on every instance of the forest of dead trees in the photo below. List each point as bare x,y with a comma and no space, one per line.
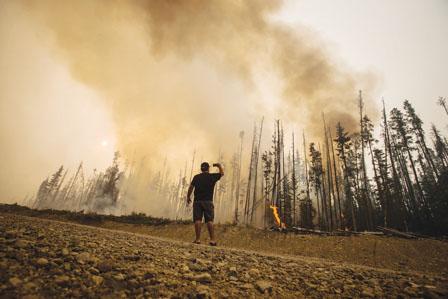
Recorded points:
350,181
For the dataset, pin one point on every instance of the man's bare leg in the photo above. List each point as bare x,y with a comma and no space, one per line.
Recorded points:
211,231
197,229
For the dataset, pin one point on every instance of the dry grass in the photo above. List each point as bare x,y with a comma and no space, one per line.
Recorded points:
422,255
87,218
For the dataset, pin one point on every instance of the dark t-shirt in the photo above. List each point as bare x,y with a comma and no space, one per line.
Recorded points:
204,183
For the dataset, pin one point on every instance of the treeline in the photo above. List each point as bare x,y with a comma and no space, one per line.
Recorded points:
78,193
346,181
126,187
353,181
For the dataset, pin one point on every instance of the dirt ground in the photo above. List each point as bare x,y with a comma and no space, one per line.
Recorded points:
41,258
422,255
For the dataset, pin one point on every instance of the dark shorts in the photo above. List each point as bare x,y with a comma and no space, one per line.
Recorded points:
203,209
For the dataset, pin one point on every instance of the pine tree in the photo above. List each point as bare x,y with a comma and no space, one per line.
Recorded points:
238,180
365,187
253,155
306,206
336,181
397,187
404,143
294,181
266,159
442,102
315,174
440,146
42,195
417,129
111,177
370,140
257,158
53,186
343,142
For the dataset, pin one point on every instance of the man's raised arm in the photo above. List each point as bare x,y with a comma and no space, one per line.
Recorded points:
221,169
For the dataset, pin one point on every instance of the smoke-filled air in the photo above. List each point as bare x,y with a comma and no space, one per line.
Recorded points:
184,76
177,83
223,149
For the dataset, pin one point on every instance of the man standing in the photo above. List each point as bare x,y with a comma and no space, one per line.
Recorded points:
204,185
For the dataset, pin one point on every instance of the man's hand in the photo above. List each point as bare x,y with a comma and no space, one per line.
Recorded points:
190,190
221,170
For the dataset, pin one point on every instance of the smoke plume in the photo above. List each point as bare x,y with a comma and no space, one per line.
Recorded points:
179,75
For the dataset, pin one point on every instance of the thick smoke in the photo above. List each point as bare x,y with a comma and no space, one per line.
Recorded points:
180,75
176,69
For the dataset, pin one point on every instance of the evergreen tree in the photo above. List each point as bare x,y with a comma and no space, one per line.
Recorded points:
417,129
111,177
440,146
315,175
403,142
343,142
370,140
54,184
42,194
442,102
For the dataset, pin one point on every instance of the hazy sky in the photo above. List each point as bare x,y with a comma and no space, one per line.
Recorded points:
46,117
403,42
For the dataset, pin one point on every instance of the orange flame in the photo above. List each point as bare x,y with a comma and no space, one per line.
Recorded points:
277,217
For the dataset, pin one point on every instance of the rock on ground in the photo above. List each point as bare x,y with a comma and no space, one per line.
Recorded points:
43,259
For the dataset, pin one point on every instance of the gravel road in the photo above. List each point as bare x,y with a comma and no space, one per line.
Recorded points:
42,258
